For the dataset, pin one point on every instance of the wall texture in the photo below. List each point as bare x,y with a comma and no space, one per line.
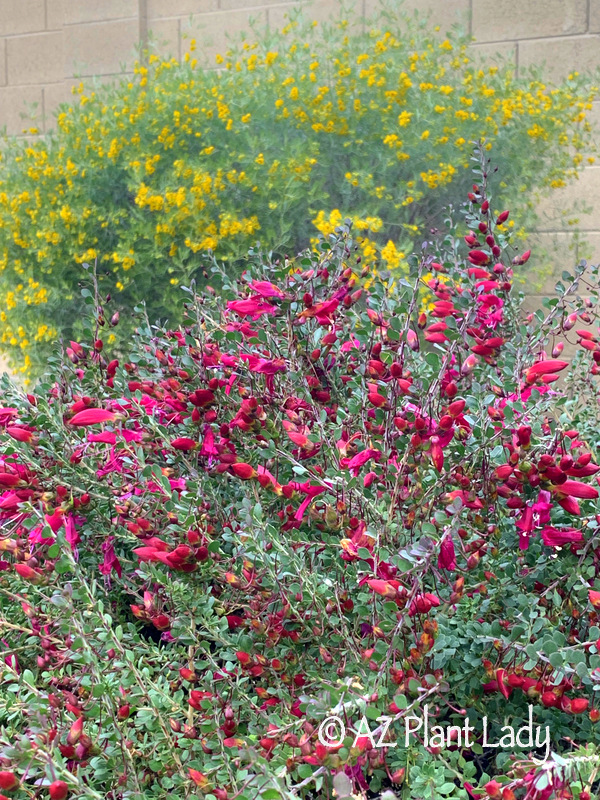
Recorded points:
46,45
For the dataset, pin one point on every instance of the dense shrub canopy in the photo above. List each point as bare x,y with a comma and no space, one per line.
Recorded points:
311,500
291,135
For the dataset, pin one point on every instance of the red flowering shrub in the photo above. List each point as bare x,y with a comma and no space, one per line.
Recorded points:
311,502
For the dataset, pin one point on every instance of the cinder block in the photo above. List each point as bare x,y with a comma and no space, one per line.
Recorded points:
552,254
593,117
54,95
101,48
527,19
37,58
20,108
2,62
78,11
228,5
21,16
594,16
444,13
216,33
55,15
181,8
576,201
164,37
496,53
326,11
590,248
561,56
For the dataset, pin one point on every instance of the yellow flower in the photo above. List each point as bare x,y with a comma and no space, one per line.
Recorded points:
391,255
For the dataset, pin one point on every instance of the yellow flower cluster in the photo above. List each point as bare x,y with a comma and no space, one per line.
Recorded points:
148,176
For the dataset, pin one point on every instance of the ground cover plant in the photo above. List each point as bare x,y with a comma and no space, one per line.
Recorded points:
313,500
292,134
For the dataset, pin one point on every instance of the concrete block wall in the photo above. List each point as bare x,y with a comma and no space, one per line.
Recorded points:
47,45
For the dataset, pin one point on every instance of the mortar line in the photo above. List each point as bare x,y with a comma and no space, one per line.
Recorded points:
143,26
44,109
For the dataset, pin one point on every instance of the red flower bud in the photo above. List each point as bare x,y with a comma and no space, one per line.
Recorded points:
58,790
579,705
492,789
412,340
456,408
75,731
8,780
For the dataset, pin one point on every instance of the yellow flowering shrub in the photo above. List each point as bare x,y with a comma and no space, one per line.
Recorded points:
292,134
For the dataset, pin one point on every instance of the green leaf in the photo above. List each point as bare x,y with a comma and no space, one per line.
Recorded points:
556,660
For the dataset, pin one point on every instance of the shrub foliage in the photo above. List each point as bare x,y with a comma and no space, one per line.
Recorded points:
311,500
291,135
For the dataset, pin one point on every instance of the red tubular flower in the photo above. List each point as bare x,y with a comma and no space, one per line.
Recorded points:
524,435
447,555
553,537
503,687
594,598
437,453
92,416
576,489
382,588
202,398
267,289
161,622
184,444
243,658
479,258
199,778
456,407
244,471
9,479
19,434
544,368
493,788
376,399
478,273
29,574
254,307
502,217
